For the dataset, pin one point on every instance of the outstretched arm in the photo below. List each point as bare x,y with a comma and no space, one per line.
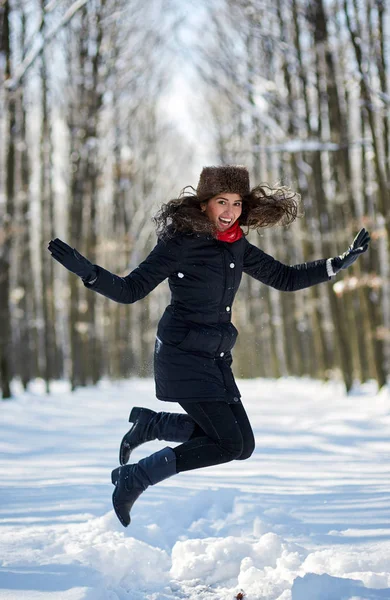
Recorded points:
161,262
270,271
286,278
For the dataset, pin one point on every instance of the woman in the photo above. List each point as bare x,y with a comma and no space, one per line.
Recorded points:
203,251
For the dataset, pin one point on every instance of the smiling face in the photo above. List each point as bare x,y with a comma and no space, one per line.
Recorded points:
223,210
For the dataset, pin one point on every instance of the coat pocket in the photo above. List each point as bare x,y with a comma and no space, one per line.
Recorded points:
208,340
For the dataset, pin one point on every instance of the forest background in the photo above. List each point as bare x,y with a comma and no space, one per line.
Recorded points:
108,108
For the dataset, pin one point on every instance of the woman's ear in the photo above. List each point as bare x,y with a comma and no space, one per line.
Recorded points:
203,206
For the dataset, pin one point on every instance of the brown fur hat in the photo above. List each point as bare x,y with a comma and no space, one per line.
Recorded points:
233,179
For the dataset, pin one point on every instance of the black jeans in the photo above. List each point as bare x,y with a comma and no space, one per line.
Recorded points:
222,433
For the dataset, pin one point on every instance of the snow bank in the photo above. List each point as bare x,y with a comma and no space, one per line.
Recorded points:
305,518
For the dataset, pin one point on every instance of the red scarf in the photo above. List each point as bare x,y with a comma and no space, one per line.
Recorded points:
232,234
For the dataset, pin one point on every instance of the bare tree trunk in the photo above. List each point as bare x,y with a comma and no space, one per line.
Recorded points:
26,332
262,304
95,101
47,227
83,125
318,366
7,217
383,190
379,154
327,82
383,76
76,123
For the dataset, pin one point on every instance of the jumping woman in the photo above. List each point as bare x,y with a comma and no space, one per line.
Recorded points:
203,251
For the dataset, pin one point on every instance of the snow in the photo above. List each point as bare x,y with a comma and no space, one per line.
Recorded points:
305,518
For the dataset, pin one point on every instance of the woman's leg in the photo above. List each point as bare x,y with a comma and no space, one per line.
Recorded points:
246,430
149,425
245,427
222,440
223,427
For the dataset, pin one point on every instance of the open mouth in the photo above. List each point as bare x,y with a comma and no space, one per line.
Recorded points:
225,222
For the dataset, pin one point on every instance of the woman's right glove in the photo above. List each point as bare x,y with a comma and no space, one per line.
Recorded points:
71,259
358,246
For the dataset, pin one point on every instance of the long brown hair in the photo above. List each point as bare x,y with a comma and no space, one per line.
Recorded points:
264,206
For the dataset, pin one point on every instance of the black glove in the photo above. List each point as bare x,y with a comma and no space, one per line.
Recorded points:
358,246
71,259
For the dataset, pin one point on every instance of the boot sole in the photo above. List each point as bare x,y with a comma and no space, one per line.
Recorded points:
120,511
124,450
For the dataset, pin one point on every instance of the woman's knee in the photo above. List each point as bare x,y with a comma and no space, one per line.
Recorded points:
231,448
247,450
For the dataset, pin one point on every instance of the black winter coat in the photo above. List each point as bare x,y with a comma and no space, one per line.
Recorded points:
195,336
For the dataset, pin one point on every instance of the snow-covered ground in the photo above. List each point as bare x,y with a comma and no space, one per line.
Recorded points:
307,517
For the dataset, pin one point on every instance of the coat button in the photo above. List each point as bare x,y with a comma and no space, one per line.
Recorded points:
236,399
232,265
228,309
222,354
180,275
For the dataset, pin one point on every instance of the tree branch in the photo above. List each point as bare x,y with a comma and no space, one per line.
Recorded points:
12,83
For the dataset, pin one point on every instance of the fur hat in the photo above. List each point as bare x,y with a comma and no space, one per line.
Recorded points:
233,179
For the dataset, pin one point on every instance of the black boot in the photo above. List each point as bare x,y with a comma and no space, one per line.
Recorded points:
131,480
150,425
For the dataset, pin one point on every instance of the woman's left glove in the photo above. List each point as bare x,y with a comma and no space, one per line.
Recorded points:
71,259
358,246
